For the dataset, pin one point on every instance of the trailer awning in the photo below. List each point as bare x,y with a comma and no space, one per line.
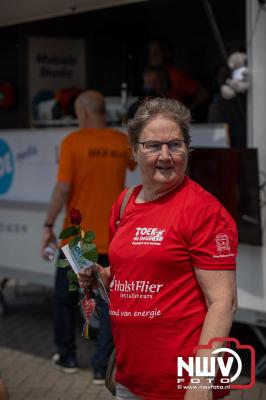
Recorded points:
14,12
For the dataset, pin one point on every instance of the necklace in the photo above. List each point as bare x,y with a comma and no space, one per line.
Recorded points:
154,196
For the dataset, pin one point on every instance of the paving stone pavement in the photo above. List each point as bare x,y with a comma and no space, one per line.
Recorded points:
26,347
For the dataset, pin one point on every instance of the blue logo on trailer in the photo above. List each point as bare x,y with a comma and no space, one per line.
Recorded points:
6,167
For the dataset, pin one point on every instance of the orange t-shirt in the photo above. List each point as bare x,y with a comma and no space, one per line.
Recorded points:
94,163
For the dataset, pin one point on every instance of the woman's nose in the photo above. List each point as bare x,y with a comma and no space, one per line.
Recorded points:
164,153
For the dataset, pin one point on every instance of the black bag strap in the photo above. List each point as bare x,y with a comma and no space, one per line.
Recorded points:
124,203
110,382
111,367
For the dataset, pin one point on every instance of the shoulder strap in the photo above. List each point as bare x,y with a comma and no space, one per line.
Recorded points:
124,203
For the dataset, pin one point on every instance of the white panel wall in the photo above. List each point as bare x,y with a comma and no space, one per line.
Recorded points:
252,259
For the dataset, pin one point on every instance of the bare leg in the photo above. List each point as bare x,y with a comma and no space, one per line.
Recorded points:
3,391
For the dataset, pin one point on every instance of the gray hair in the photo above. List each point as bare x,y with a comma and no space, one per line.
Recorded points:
151,108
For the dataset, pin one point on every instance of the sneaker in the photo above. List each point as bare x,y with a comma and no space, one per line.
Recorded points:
55,357
99,378
68,365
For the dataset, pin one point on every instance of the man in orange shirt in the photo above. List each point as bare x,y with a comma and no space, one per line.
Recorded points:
91,174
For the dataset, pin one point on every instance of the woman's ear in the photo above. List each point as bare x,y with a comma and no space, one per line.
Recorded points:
134,152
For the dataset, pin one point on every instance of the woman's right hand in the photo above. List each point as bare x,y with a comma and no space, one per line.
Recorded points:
87,279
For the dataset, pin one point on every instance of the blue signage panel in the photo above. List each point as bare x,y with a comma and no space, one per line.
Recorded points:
6,167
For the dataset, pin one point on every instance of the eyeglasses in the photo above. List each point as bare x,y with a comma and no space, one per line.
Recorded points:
153,147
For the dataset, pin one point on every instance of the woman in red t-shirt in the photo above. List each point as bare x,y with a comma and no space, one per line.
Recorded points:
172,274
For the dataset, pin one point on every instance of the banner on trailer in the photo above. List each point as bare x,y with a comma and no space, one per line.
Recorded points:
28,163
54,64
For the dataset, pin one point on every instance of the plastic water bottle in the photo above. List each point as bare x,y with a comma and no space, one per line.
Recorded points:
49,252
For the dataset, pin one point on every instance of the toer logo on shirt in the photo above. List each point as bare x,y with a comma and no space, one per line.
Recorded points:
148,236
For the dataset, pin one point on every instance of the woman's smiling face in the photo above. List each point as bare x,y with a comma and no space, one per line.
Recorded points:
166,169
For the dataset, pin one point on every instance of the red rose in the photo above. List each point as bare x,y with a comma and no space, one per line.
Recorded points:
75,216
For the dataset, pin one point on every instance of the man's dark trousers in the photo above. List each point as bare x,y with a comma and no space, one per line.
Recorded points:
65,309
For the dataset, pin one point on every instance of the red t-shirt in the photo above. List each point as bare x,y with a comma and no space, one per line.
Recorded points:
157,306
183,87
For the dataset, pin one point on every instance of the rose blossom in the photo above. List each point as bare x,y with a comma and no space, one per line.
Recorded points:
75,216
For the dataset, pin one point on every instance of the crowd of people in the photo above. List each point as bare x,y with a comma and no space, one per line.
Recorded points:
172,257
168,262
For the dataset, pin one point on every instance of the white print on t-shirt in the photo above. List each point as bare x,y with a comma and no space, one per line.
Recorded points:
135,289
153,236
222,246
145,313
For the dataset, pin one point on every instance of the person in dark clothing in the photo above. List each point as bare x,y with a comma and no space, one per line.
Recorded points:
155,84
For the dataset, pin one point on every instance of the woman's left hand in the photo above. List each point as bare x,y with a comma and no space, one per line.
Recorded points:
87,279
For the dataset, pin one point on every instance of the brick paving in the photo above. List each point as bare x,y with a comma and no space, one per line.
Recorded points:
26,346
